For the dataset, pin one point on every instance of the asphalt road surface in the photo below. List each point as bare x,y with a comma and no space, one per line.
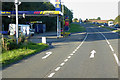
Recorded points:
93,54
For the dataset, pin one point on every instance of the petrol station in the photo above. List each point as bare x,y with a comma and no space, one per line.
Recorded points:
57,13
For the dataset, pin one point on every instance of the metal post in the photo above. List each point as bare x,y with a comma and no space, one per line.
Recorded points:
63,18
57,26
16,5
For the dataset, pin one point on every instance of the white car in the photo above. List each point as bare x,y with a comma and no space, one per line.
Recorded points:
110,23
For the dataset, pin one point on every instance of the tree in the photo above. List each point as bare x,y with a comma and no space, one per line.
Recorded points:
117,20
98,18
75,19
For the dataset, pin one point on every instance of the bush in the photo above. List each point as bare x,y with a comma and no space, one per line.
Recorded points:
9,44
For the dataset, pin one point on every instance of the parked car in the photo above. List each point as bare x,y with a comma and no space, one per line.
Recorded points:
93,22
105,24
110,23
117,26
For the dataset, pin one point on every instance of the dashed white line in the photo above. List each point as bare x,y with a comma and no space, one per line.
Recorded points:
74,51
51,75
69,56
57,69
77,47
117,60
66,60
62,64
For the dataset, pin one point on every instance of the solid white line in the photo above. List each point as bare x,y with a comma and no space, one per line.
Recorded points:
62,64
69,56
57,69
51,75
108,42
117,60
111,48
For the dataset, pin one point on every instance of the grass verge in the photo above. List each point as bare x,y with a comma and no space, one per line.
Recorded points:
76,28
106,28
9,57
118,31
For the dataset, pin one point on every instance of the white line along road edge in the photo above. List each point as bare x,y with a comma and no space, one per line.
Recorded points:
47,55
115,56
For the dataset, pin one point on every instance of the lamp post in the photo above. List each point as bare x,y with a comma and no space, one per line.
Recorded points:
16,6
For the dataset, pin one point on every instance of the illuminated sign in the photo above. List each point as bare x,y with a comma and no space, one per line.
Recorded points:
58,5
46,12
31,12
5,12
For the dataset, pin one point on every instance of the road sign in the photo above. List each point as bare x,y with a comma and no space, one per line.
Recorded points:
58,5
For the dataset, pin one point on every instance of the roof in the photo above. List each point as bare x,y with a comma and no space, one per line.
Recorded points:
100,21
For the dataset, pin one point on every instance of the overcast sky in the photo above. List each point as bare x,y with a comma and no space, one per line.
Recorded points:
106,9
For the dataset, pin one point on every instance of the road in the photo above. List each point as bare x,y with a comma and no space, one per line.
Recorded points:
93,54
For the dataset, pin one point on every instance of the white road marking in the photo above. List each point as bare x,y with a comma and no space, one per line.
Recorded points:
93,51
47,55
92,54
69,56
78,47
51,75
66,60
62,64
111,48
57,69
74,51
108,42
117,60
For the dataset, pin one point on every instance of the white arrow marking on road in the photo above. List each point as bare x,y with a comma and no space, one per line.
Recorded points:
92,53
47,55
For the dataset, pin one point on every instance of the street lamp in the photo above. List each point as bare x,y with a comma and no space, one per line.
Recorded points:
16,6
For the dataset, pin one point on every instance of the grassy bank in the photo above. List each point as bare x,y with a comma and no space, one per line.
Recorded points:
76,28
25,50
